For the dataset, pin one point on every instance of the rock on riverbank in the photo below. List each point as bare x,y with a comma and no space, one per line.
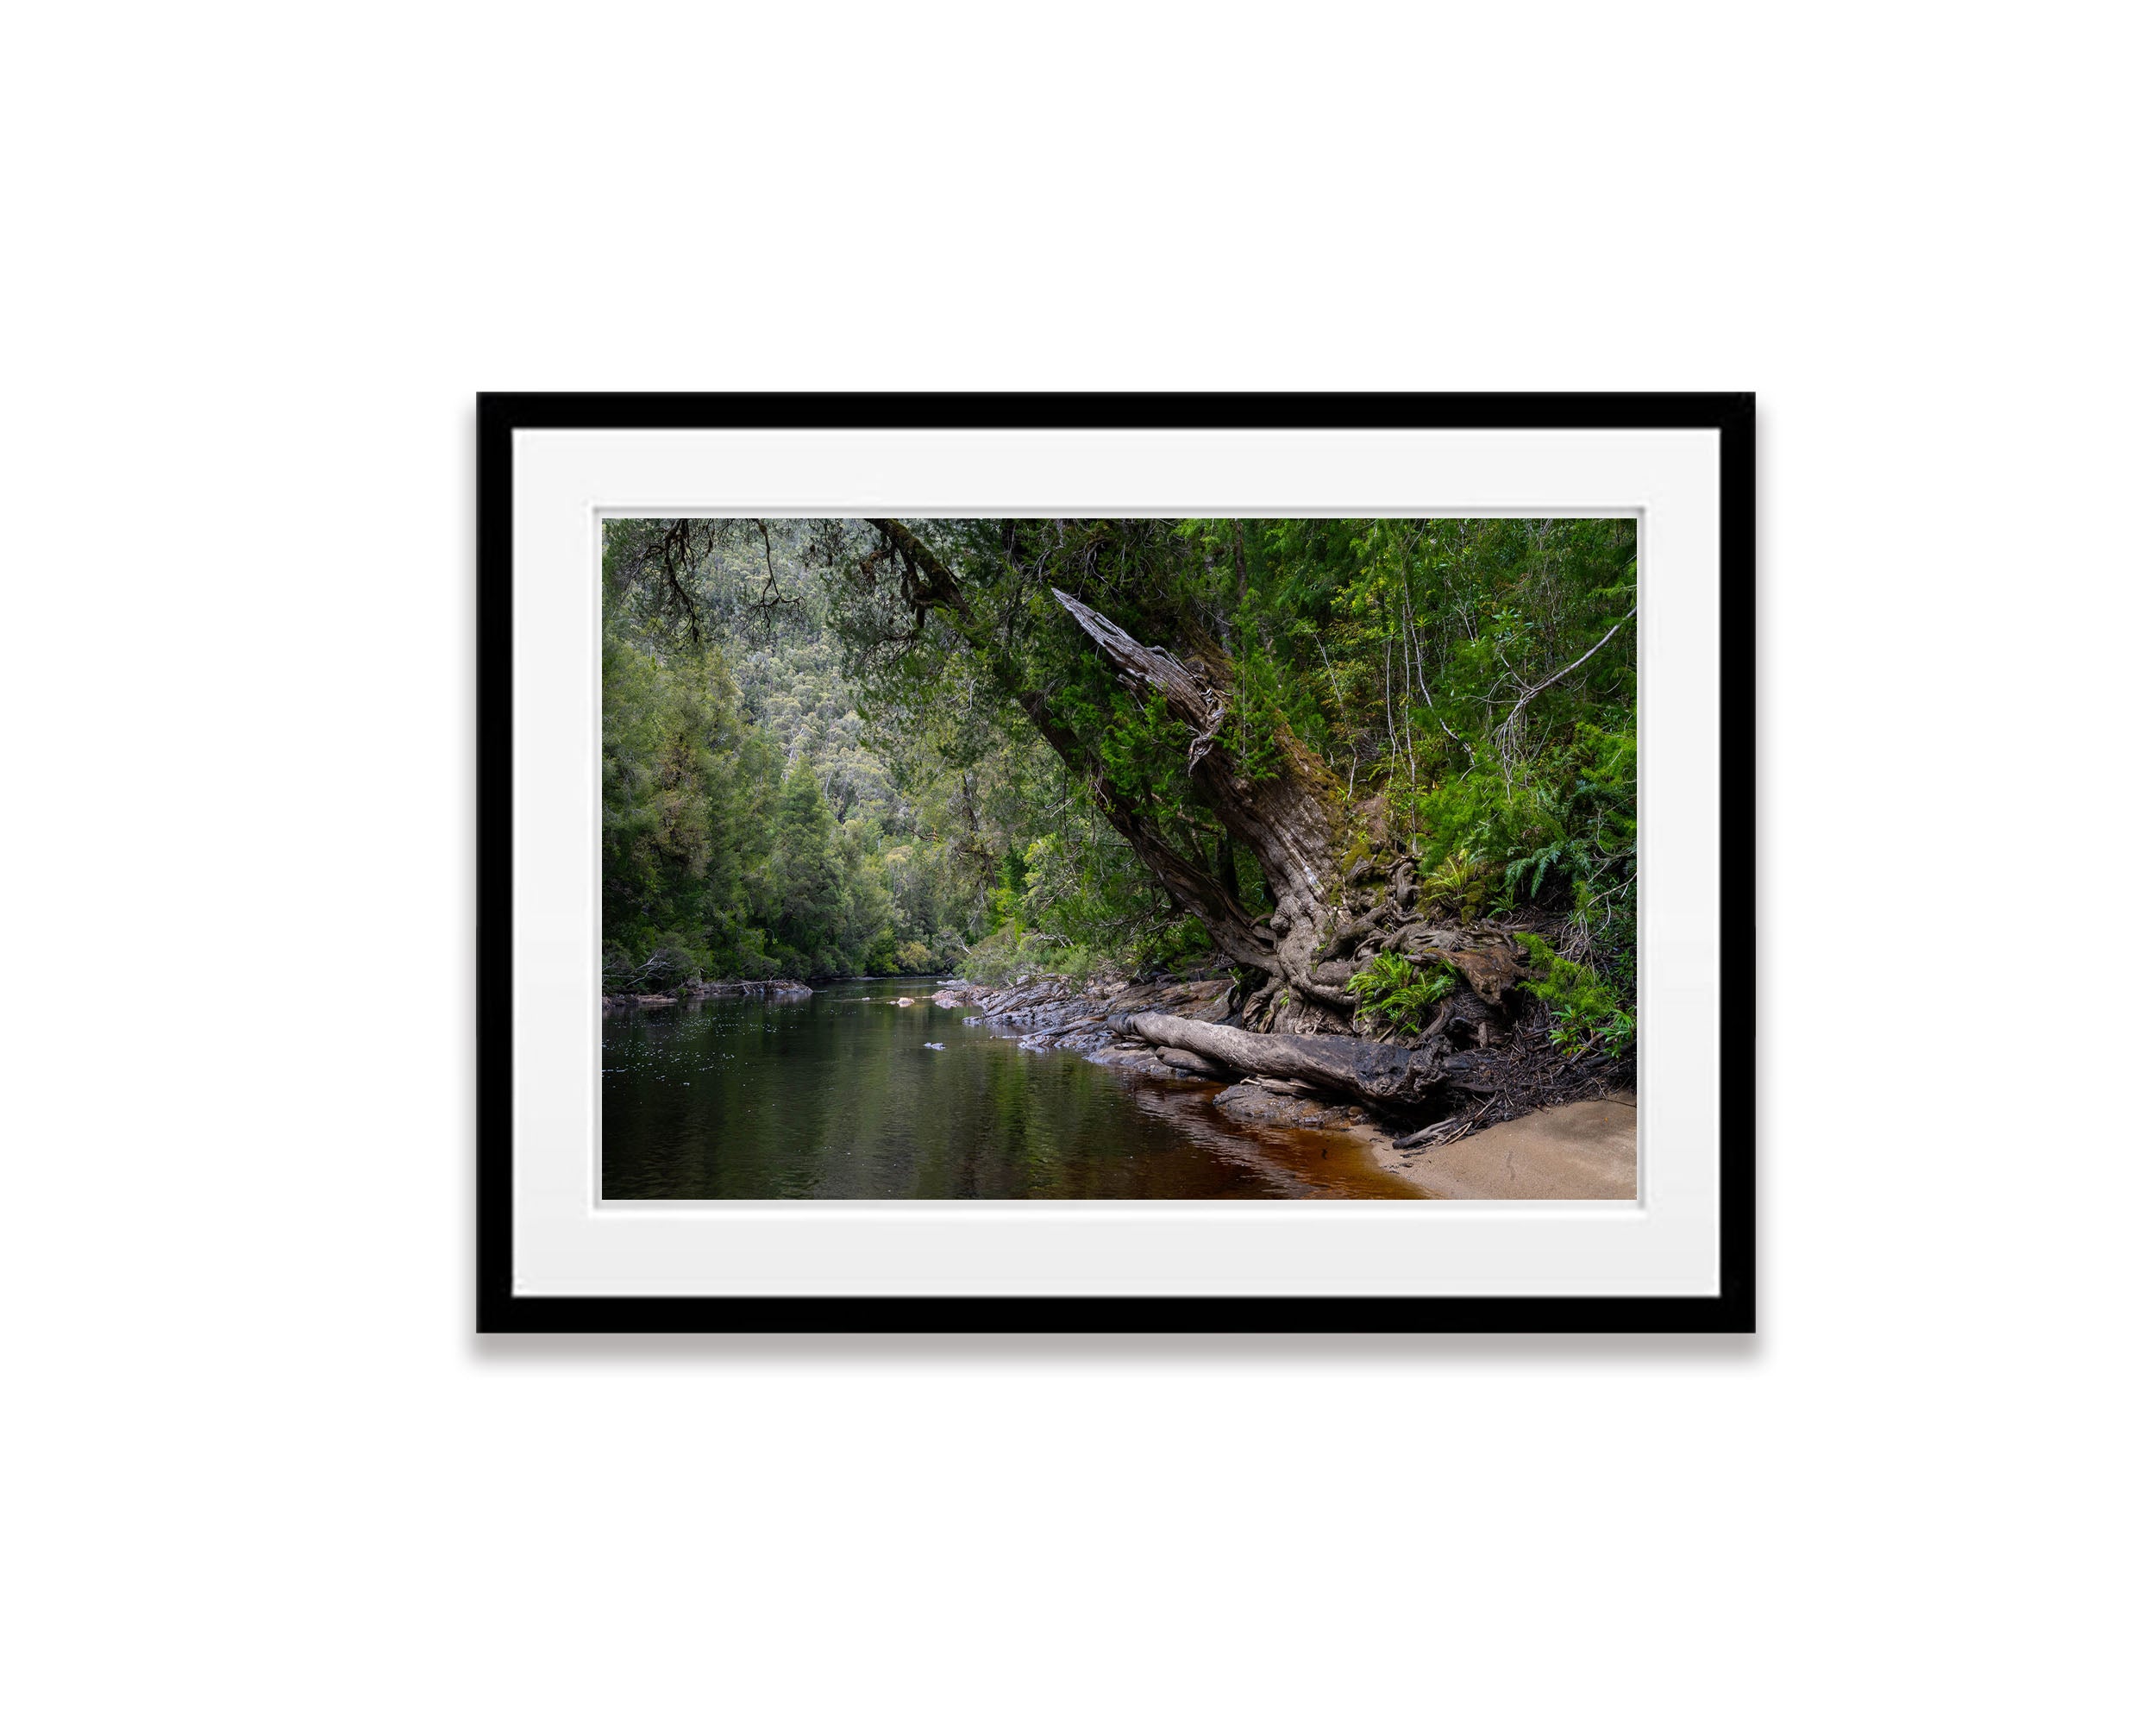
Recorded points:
1288,1102
777,988
1094,1019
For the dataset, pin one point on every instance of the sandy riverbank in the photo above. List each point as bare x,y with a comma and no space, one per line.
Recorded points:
1582,1149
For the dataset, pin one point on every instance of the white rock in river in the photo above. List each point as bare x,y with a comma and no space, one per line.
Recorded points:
937,1046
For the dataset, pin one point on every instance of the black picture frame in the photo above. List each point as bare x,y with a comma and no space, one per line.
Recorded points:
1732,1310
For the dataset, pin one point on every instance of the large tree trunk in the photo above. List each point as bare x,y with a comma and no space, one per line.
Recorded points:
927,583
1195,891
1292,817
1289,818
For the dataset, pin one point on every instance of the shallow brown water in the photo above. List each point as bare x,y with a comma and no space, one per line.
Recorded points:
838,1097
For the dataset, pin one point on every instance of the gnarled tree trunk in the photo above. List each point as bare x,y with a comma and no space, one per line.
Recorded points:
1289,818
1292,817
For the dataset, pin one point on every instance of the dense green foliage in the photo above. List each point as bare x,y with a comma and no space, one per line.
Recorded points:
750,827
1395,992
1584,1008
822,757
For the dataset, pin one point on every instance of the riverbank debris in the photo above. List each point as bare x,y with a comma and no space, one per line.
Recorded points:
1189,1030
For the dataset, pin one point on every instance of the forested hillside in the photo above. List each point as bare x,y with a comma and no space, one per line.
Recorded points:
752,826
839,747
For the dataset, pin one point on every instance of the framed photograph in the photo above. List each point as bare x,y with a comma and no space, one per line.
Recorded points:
1116,863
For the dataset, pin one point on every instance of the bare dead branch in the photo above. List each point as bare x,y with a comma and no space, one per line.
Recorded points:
1557,675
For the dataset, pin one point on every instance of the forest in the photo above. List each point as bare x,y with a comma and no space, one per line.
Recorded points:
1383,771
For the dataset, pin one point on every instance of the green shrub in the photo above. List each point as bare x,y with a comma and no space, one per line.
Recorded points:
1459,884
1583,1008
1393,990
1568,819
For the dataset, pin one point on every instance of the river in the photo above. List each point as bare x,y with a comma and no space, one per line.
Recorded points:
838,1096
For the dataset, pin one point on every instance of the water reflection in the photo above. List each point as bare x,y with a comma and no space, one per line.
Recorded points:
839,1096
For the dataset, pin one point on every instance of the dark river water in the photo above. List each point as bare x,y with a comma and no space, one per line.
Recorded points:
838,1097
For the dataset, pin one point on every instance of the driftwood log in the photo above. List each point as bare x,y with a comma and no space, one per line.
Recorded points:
1197,1065
1393,1077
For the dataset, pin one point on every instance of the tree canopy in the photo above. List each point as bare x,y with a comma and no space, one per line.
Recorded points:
860,746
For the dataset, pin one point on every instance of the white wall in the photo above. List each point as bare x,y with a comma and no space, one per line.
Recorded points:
256,1465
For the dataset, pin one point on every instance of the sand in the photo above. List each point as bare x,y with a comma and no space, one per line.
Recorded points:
1583,1149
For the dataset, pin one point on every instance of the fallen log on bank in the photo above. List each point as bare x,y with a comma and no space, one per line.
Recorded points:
1197,1065
1372,1071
